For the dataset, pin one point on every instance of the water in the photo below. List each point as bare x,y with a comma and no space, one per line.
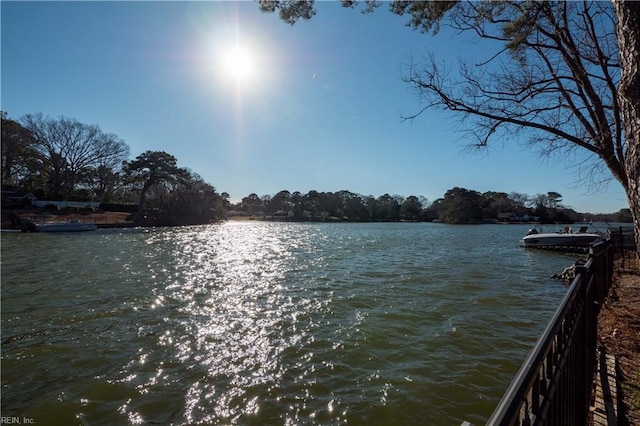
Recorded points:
270,323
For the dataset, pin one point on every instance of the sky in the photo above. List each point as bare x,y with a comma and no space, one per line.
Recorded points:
254,105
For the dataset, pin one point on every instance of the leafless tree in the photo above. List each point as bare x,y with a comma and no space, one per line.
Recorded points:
73,150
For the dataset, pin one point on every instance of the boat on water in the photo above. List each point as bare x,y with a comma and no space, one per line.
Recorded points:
565,238
62,226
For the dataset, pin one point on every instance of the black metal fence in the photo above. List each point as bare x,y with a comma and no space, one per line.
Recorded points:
553,385
624,244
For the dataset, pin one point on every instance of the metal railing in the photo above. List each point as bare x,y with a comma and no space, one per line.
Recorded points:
622,238
553,385
624,244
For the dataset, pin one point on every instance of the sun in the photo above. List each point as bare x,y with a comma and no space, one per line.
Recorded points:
238,63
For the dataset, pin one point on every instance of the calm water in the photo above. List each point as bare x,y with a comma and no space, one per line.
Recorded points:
270,323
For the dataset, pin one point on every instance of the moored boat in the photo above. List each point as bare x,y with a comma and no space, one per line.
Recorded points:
66,226
566,238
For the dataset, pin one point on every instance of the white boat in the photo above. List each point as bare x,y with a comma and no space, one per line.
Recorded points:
565,238
67,226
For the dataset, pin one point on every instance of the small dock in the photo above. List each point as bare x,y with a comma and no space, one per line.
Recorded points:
604,411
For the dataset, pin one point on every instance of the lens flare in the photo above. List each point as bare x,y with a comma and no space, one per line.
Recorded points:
238,63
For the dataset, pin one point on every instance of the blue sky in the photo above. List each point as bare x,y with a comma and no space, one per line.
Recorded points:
320,108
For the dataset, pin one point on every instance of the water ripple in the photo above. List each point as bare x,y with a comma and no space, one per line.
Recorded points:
270,323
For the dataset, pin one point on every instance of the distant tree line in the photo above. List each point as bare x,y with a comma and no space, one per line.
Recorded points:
341,205
63,159
458,206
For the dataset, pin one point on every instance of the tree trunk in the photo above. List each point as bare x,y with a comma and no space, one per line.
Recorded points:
628,33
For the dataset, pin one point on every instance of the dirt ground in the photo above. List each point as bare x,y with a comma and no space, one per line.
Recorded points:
619,334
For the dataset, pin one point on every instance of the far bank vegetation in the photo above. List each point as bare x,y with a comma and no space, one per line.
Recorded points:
457,206
61,159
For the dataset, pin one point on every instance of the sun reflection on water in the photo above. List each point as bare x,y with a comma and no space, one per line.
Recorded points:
229,317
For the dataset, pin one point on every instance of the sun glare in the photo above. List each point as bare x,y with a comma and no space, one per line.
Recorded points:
238,63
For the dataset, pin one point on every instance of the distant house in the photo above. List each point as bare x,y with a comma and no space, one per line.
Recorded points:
283,213
13,199
527,218
82,205
507,217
